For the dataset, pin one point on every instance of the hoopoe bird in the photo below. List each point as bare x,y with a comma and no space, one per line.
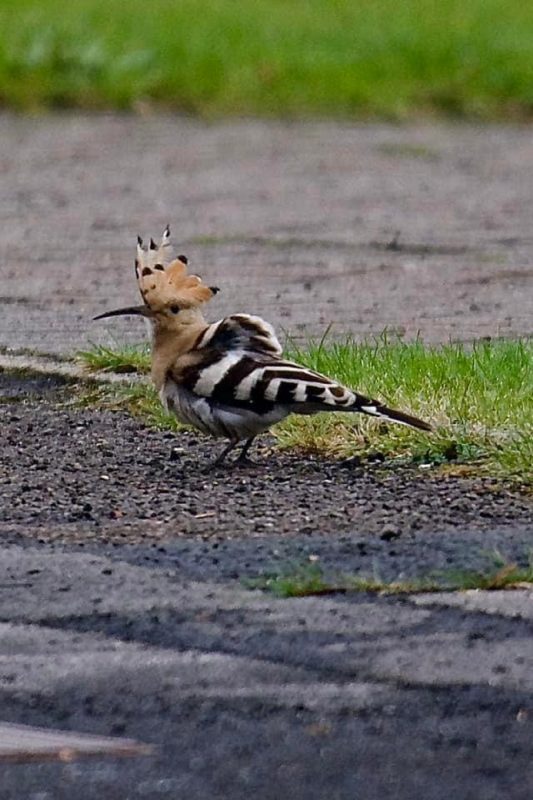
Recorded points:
229,378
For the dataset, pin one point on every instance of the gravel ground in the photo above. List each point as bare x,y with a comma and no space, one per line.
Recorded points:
103,472
96,477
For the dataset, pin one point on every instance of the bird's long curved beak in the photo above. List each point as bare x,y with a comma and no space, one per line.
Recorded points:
142,311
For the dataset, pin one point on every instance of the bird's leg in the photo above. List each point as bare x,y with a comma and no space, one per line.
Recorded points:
219,459
242,458
174,454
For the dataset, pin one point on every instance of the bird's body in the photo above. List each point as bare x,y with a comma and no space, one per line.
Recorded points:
229,378
220,385
234,383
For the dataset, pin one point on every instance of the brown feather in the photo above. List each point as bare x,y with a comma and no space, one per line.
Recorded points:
163,281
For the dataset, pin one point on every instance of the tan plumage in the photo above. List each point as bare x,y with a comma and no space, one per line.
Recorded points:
229,379
163,280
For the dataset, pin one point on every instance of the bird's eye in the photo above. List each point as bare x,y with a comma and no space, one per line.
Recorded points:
174,309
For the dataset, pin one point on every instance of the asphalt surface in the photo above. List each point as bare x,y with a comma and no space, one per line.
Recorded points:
418,228
125,567
241,693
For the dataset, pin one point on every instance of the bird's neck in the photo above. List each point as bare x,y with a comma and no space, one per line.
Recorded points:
168,346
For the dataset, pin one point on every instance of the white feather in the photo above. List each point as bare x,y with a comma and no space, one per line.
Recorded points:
243,389
271,391
210,376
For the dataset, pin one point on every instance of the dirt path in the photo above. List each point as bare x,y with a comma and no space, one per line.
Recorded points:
244,694
414,228
102,476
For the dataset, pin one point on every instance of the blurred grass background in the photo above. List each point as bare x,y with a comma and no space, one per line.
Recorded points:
272,58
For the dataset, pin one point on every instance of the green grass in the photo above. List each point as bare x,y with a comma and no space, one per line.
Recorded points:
138,399
304,580
270,57
479,398
308,580
126,359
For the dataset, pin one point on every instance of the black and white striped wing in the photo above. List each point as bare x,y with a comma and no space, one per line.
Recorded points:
238,365
291,385
259,382
303,391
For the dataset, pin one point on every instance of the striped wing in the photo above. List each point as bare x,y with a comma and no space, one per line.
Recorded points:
259,382
236,364
289,384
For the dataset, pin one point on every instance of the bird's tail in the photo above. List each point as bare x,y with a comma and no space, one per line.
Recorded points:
377,409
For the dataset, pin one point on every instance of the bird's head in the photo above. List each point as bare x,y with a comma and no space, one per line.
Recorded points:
172,298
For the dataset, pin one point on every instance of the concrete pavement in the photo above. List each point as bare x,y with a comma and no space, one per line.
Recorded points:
418,228
349,696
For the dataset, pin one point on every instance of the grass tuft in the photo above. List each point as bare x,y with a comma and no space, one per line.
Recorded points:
138,399
479,399
308,580
504,575
126,359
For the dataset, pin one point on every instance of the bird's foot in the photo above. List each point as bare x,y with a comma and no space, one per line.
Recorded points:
217,464
348,463
175,453
244,461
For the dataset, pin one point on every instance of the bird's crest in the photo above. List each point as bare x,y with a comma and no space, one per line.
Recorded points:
163,279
